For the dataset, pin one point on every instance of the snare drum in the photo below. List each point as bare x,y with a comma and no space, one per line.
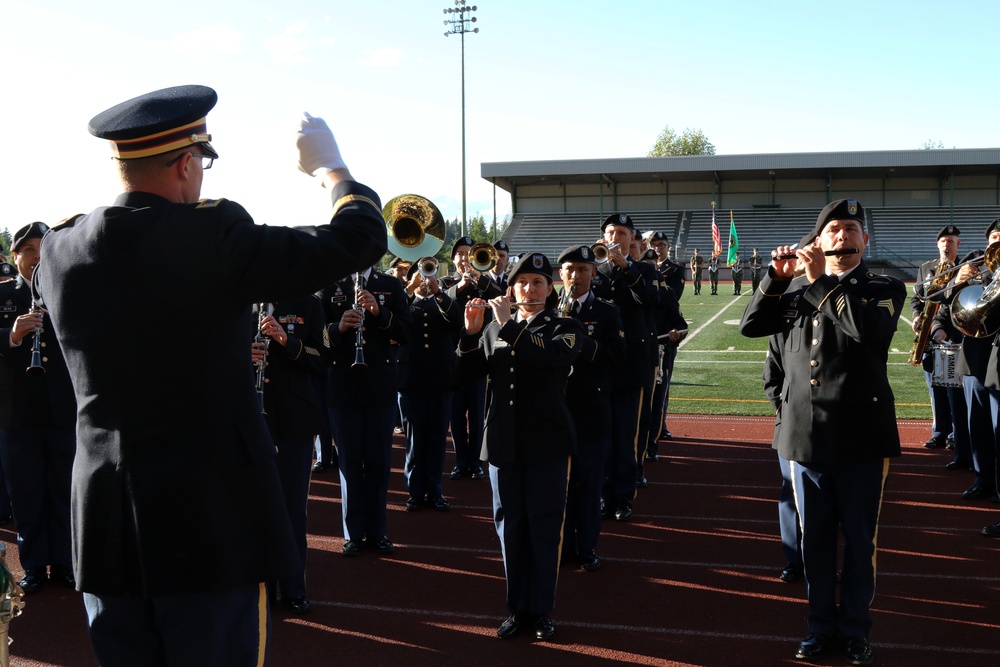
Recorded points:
945,358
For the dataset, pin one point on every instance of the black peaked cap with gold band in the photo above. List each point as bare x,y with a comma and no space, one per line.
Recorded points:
157,122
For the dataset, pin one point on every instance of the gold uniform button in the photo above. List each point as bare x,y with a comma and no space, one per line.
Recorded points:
814,363
427,346
44,343
815,341
510,403
45,359
814,382
427,335
815,323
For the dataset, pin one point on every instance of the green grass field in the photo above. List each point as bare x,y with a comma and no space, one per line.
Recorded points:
718,371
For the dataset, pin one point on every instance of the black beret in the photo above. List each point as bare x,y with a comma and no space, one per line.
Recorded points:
7,271
34,230
659,236
462,241
577,253
649,254
618,219
157,122
396,261
993,225
502,245
950,230
532,262
842,209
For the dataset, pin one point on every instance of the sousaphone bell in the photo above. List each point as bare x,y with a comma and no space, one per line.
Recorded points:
414,227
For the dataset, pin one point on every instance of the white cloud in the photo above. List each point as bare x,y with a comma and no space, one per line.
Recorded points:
289,47
383,57
218,38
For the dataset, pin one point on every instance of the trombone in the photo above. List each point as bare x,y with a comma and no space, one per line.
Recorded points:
483,257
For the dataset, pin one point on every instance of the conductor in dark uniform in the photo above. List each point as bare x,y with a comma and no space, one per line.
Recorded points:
838,321
37,424
294,413
178,512
529,433
362,397
426,380
588,394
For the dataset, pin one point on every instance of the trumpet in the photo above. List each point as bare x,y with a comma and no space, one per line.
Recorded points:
359,340
828,253
602,252
261,364
428,267
35,367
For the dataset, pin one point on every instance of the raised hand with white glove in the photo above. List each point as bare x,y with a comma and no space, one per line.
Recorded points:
318,151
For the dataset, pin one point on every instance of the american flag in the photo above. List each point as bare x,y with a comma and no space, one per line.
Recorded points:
716,239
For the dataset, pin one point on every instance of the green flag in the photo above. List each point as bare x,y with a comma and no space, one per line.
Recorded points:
734,241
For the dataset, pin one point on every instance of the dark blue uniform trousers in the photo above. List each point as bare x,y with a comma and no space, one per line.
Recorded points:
294,463
39,466
583,502
529,505
788,517
363,437
216,629
834,498
425,422
620,465
468,416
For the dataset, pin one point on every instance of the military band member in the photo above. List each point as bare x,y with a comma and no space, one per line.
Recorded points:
37,424
469,398
632,286
737,272
294,413
696,267
530,435
838,321
426,372
399,268
588,395
672,272
178,513
499,272
713,273
757,266
362,397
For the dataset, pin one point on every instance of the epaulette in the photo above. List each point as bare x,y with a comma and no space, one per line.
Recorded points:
209,203
67,222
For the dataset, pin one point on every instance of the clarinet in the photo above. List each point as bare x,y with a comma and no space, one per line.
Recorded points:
359,340
35,367
261,364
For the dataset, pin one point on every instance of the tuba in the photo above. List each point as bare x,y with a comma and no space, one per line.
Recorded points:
973,309
414,226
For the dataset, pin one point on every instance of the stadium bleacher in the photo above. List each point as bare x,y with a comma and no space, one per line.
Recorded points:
900,238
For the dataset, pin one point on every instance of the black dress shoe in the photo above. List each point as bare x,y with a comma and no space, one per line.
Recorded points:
458,473
666,435
320,466
858,651
641,482
297,605
949,443
511,626
33,580
590,562
544,628
624,512
350,548
607,510
477,473
414,504
791,573
652,456
439,503
384,547
63,574
934,443
977,492
814,647
958,464
992,530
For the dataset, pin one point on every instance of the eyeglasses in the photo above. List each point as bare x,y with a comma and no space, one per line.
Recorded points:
206,160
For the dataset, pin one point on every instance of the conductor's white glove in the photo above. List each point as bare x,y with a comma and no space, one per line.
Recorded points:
318,151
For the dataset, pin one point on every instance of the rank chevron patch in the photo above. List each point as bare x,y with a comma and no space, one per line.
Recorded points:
887,304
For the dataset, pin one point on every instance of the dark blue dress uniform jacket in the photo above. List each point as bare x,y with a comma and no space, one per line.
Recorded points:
635,291
837,405
427,360
174,480
527,418
602,349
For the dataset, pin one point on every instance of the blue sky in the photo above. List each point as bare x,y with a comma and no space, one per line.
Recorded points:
544,80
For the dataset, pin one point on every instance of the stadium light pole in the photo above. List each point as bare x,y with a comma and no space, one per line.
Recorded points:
460,24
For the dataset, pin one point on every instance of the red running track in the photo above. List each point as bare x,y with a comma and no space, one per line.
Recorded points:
691,580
